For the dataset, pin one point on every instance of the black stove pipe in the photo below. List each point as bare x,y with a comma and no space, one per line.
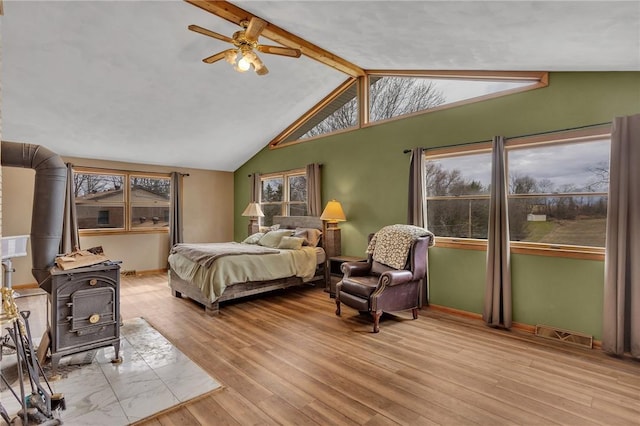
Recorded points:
48,203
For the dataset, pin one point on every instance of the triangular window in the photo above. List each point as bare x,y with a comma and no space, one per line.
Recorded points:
387,95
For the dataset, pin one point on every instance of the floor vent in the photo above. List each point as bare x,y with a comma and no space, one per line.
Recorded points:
131,273
565,336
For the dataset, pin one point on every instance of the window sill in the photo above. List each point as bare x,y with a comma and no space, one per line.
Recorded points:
565,251
95,232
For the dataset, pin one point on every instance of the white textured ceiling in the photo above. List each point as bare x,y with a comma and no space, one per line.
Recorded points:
125,81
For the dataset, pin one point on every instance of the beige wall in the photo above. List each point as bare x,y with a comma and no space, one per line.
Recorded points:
207,210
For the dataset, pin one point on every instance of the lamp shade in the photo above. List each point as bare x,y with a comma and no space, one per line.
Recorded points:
333,212
254,210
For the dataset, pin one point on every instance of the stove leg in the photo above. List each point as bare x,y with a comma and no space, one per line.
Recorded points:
55,360
117,358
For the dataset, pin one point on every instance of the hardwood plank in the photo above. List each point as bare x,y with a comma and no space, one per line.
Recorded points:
209,411
286,358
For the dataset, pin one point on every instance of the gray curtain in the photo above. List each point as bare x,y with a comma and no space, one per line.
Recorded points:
70,238
417,209
255,188
314,188
497,296
175,226
621,316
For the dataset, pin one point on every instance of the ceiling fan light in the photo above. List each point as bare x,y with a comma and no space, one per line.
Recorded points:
230,56
244,64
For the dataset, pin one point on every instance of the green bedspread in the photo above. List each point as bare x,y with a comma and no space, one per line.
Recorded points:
240,268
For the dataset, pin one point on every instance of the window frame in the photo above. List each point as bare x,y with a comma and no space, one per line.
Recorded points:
554,139
521,247
127,203
362,90
447,152
286,202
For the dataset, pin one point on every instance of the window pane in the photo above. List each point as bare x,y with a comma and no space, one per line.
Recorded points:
150,217
270,210
341,113
150,189
91,187
458,218
459,175
298,209
561,168
100,217
271,189
559,220
298,188
394,96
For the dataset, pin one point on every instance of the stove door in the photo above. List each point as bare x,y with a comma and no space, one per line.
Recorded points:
92,307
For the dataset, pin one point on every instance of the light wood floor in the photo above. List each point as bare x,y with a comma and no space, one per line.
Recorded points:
287,359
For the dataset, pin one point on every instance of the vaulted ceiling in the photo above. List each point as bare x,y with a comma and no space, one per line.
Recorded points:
124,80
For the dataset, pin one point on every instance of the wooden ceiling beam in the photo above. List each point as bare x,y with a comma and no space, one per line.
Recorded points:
235,14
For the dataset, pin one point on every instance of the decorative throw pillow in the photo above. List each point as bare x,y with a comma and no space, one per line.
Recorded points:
312,235
272,238
254,238
291,243
266,229
301,233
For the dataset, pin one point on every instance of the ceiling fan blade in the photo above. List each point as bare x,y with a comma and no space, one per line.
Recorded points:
210,33
277,50
259,66
220,55
255,27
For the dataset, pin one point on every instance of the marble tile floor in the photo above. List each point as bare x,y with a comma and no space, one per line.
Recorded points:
153,376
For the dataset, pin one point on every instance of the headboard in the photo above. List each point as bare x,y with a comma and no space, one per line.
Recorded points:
292,222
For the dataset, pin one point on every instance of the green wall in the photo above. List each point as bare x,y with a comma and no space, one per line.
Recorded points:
367,171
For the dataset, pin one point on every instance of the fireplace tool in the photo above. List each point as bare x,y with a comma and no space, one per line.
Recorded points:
37,407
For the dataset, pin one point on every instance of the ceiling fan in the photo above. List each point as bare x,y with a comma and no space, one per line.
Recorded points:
245,42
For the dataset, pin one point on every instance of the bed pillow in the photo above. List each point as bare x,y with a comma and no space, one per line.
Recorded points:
291,243
254,238
272,238
312,235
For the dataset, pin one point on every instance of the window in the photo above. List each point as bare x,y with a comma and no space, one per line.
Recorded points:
121,201
338,111
283,194
394,96
557,192
379,96
457,188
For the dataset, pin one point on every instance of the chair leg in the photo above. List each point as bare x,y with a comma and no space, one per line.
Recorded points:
414,311
376,320
337,306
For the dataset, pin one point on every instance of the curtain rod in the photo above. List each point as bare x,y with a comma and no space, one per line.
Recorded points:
123,170
406,151
284,171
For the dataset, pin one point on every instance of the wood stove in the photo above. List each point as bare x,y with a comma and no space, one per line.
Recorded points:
85,310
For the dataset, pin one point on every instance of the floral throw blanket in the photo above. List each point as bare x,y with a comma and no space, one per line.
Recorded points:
390,245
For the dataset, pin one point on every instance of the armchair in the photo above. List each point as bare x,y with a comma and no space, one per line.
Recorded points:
374,287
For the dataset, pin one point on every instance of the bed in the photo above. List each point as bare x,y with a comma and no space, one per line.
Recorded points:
217,272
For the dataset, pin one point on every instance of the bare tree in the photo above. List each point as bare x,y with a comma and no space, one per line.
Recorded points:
600,179
88,183
393,96
388,97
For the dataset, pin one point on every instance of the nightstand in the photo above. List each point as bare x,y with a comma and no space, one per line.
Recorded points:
334,273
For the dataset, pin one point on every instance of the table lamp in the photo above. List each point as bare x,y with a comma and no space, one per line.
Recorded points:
253,211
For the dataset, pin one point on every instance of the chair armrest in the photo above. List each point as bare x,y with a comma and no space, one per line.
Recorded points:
391,278
355,269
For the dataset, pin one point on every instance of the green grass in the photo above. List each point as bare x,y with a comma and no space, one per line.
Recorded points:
583,232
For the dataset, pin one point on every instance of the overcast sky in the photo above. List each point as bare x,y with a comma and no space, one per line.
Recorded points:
566,164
